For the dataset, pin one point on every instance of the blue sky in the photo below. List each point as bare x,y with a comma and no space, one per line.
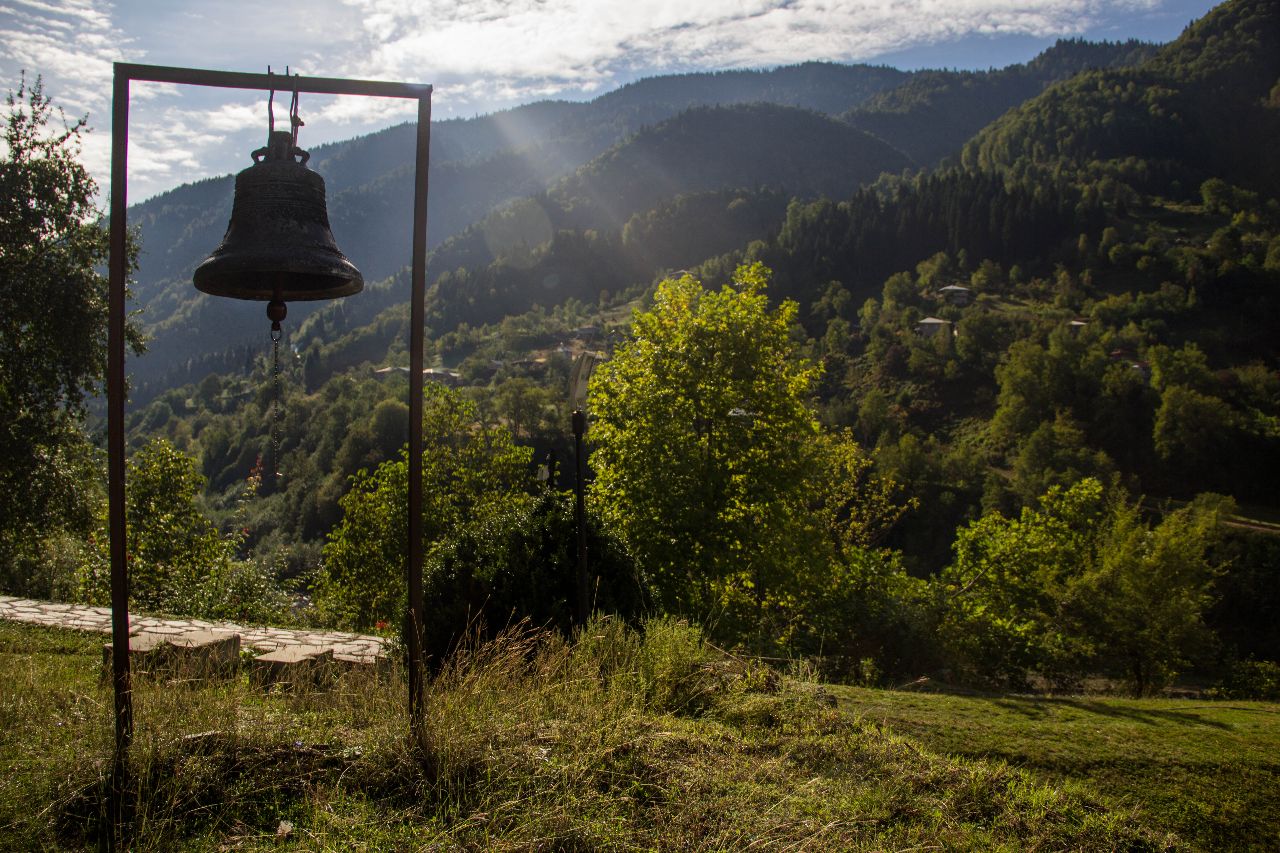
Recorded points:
483,55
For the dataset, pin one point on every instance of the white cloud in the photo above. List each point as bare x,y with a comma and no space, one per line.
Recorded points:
70,41
480,54
589,41
506,51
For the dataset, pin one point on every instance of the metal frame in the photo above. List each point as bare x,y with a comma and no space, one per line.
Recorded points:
124,74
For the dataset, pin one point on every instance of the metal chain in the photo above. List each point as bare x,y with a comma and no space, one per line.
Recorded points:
276,404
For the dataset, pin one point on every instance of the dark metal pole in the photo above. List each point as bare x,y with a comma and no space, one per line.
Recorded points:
116,269
117,262
580,515
417,319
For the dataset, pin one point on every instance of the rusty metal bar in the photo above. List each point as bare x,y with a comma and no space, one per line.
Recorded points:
116,271
417,319
580,513
264,82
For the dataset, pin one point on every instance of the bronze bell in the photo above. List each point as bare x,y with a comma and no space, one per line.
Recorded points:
278,245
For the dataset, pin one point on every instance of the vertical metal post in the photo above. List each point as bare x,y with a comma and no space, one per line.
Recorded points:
417,319
117,263
116,269
580,515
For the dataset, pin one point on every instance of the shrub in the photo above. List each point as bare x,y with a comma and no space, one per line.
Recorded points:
1251,679
516,560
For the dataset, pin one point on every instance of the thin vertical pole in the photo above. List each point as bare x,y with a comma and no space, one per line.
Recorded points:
116,268
580,513
117,262
417,319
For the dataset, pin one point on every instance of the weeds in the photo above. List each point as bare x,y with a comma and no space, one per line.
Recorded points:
618,739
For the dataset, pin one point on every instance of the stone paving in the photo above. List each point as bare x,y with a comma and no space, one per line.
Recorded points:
355,648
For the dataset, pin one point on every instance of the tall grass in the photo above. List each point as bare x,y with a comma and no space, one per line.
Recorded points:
618,739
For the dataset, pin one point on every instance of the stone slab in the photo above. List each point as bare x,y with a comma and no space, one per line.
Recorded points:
294,666
149,632
189,655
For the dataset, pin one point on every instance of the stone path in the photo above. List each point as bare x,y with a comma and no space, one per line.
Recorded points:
354,648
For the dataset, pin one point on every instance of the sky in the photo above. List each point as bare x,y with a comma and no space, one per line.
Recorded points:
483,55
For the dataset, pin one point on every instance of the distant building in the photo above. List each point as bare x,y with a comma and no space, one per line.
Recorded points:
1142,368
586,333
529,365
930,326
954,294
430,374
442,375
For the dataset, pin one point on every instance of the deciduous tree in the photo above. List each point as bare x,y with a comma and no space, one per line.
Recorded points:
53,321
702,430
468,470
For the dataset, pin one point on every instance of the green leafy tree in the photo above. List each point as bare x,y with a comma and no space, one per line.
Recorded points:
1037,382
1078,583
171,546
738,508
847,598
1193,430
855,506
524,405
1187,367
468,471
1056,453
1011,601
702,431
700,425
1151,589
53,323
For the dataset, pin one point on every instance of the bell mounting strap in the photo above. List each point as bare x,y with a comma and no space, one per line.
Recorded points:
295,120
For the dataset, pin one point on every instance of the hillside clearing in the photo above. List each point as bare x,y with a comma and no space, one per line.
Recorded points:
617,741
1207,771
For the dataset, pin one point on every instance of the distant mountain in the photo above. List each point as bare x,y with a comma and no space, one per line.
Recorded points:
819,86
477,165
585,166
932,114
708,148
1207,104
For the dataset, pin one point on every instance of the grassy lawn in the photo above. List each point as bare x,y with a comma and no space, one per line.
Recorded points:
1207,771
618,741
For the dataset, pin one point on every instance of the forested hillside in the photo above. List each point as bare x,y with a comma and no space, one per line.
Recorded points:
481,164
1011,417
1205,106
477,165
933,113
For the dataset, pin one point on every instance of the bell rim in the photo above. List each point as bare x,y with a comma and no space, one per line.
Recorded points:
284,294
221,276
